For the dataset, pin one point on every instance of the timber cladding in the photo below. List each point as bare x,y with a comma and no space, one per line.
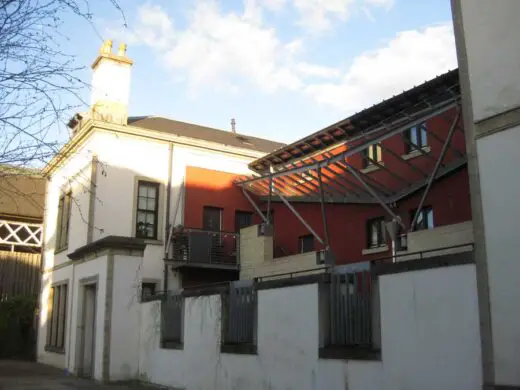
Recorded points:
19,274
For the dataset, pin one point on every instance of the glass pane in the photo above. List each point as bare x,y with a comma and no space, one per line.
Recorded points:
424,140
142,203
420,221
374,234
371,152
430,218
150,218
141,216
151,204
413,136
151,191
382,232
143,189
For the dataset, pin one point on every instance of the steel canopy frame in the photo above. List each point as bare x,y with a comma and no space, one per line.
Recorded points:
440,108
306,182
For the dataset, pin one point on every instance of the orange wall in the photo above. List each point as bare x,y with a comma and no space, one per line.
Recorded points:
205,187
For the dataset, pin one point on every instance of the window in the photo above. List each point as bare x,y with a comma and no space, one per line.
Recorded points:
212,219
306,243
372,154
147,209
243,219
424,219
62,224
147,289
376,232
56,318
416,138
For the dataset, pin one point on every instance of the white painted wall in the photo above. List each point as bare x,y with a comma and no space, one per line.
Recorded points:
502,226
48,279
73,274
429,329
111,82
122,159
126,315
491,30
430,340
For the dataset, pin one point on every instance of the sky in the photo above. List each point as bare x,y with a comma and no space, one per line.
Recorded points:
282,68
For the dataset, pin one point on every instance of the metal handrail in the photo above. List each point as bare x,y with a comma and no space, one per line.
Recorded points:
201,246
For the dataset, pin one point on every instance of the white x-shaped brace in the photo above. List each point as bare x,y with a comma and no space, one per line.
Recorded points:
33,239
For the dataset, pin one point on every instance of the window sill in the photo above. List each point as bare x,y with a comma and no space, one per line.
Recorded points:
379,249
416,153
349,353
151,241
60,351
172,345
239,349
57,251
372,167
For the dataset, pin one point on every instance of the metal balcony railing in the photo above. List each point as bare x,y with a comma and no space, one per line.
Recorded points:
203,247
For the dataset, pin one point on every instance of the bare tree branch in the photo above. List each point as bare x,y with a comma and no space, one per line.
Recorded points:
38,81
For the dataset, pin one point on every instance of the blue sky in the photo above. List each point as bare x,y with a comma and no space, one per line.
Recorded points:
282,68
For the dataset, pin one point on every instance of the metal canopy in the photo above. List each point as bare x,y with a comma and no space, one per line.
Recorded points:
441,88
322,168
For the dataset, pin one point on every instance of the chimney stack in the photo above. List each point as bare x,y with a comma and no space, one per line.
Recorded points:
111,85
233,126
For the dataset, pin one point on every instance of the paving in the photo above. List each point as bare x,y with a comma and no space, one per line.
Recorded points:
32,376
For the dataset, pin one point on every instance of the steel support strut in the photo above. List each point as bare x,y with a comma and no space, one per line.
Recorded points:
286,202
323,211
375,195
270,195
436,168
253,203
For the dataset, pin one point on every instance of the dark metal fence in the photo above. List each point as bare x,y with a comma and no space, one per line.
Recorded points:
172,313
205,247
239,314
350,309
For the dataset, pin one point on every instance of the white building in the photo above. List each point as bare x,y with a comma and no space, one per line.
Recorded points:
113,190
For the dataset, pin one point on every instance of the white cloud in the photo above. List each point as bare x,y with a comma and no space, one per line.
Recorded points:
224,50
236,51
307,69
317,16
411,58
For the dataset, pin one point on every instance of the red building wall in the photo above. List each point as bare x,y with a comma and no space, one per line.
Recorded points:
449,198
205,187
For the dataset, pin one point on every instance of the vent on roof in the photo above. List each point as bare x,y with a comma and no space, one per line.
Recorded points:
244,140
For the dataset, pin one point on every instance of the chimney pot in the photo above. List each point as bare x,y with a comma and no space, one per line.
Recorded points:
122,50
106,48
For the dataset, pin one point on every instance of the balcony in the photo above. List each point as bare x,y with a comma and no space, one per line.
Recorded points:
196,248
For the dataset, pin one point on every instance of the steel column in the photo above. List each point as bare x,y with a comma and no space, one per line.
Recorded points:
269,195
323,211
436,168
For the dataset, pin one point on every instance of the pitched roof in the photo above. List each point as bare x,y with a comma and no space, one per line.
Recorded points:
190,130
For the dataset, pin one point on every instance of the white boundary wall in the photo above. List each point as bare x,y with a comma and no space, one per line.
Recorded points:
430,340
